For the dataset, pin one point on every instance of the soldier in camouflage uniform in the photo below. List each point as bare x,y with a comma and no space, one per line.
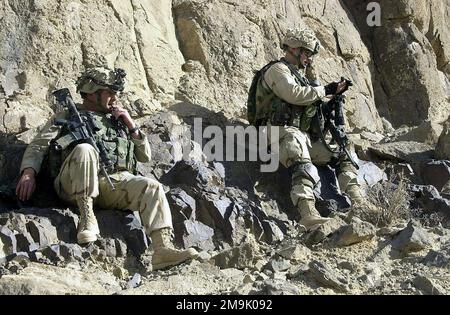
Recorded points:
78,180
282,91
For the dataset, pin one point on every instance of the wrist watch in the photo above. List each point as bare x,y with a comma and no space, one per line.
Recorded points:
133,130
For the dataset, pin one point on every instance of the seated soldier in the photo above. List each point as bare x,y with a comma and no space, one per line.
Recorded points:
78,178
284,93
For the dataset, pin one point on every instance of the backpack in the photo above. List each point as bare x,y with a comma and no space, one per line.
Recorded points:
251,98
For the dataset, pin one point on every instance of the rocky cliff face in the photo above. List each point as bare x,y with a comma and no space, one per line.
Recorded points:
204,52
196,58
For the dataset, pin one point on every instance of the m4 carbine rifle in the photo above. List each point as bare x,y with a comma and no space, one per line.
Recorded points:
82,129
331,119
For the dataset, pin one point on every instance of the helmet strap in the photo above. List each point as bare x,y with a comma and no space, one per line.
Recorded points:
296,56
98,93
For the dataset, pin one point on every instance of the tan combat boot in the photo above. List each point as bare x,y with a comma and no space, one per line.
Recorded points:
87,226
165,255
354,193
309,214
358,201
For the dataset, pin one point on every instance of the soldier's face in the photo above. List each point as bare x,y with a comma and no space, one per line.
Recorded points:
306,58
108,99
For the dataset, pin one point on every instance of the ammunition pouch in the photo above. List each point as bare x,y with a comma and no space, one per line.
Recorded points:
53,161
285,114
281,113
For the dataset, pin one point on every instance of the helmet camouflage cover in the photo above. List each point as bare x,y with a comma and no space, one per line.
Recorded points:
302,38
100,78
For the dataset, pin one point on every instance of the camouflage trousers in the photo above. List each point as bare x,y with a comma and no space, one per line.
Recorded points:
79,174
295,147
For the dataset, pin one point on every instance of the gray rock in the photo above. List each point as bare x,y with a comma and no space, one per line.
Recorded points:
245,256
438,258
402,169
262,277
220,169
428,286
272,231
37,256
436,173
121,248
71,251
327,276
443,145
412,238
276,287
369,174
56,224
134,234
8,242
135,281
357,231
120,273
372,136
232,273
350,266
249,279
182,206
192,174
125,226
429,199
296,253
21,258
278,265
217,211
52,253
14,267
445,192
403,151
15,222
323,231
427,132
39,234
390,231
25,242
194,233
297,270
108,245
243,289
372,276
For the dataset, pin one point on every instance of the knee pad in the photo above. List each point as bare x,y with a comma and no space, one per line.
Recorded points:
84,147
305,172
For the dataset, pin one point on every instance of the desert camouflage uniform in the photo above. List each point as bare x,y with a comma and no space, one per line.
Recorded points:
295,146
76,168
79,175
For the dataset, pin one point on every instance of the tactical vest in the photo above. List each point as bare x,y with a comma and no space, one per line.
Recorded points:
112,133
271,108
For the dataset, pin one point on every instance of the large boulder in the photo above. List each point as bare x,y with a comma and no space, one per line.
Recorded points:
402,151
228,55
410,52
443,145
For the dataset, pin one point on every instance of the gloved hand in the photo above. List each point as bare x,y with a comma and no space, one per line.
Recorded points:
337,87
331,89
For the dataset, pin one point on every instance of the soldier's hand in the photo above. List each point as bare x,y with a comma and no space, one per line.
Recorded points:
341,87
26,185
122,113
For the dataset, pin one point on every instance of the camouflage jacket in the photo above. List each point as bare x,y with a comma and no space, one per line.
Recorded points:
279,86
36,151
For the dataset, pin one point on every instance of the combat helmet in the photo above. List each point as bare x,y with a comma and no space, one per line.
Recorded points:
100,78
301,38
